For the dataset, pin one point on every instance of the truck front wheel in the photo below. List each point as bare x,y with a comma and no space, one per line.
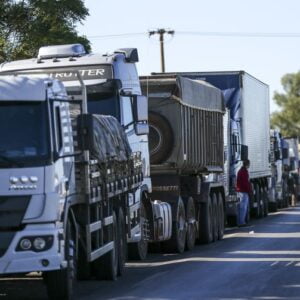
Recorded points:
60,283
139,251
122,251
177,241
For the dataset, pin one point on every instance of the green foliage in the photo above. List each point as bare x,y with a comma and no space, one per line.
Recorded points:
288,118
26,25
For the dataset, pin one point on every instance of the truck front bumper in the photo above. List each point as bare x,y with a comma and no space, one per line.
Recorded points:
16,261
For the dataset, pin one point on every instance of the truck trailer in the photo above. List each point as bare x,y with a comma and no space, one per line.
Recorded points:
247,132
186,156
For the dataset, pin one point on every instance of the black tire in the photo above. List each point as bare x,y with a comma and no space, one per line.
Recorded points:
60,283
161,138
139,251
273,206
266,202
83,266
232,221
257,210
205,220
154,247
106,266
262,203
221,217
215,217
122,242
177,241
191,224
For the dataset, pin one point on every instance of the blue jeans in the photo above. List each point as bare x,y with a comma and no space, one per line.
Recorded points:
243,208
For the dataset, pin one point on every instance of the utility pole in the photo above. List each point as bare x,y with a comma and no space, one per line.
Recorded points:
161,32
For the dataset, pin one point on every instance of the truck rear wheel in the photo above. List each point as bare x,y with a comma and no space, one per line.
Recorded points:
60,283
177,241
215,217
161,138
273,206
262,203
139,251
221,217
206,222
266,202
191,224
257,209
122,242
106,266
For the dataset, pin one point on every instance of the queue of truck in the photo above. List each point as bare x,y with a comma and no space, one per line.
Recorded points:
100,164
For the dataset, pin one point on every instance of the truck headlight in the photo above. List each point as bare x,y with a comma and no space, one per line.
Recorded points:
35,243
25,244
39,243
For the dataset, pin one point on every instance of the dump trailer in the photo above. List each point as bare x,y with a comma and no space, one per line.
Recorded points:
247,101
186,156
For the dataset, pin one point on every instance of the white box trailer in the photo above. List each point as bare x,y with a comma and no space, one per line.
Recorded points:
255,124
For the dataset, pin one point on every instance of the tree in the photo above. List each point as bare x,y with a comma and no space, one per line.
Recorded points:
26,25
288,118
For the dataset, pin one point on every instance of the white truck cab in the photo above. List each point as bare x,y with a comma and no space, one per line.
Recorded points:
32,177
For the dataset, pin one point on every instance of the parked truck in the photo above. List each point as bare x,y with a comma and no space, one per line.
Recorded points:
88,192
292,167
279,159
67,179
246,133
186,155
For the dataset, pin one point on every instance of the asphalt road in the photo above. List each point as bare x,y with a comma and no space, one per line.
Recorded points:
257,262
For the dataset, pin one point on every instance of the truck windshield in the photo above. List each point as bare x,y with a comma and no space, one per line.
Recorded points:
103,100
24,134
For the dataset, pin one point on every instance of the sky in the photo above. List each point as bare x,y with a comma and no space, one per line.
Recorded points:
267,58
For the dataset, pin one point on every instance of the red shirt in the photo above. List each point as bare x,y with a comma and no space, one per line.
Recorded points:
242,183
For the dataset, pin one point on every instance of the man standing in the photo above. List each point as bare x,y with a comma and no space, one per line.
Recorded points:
244,189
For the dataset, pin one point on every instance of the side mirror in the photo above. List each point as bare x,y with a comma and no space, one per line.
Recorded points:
244,152
285,153
141,128
140,109
277,154
125,92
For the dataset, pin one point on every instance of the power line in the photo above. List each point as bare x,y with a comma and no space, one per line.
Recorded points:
115,35
242,34
208,33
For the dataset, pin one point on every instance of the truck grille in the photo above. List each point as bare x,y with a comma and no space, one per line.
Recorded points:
5,240
12,211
